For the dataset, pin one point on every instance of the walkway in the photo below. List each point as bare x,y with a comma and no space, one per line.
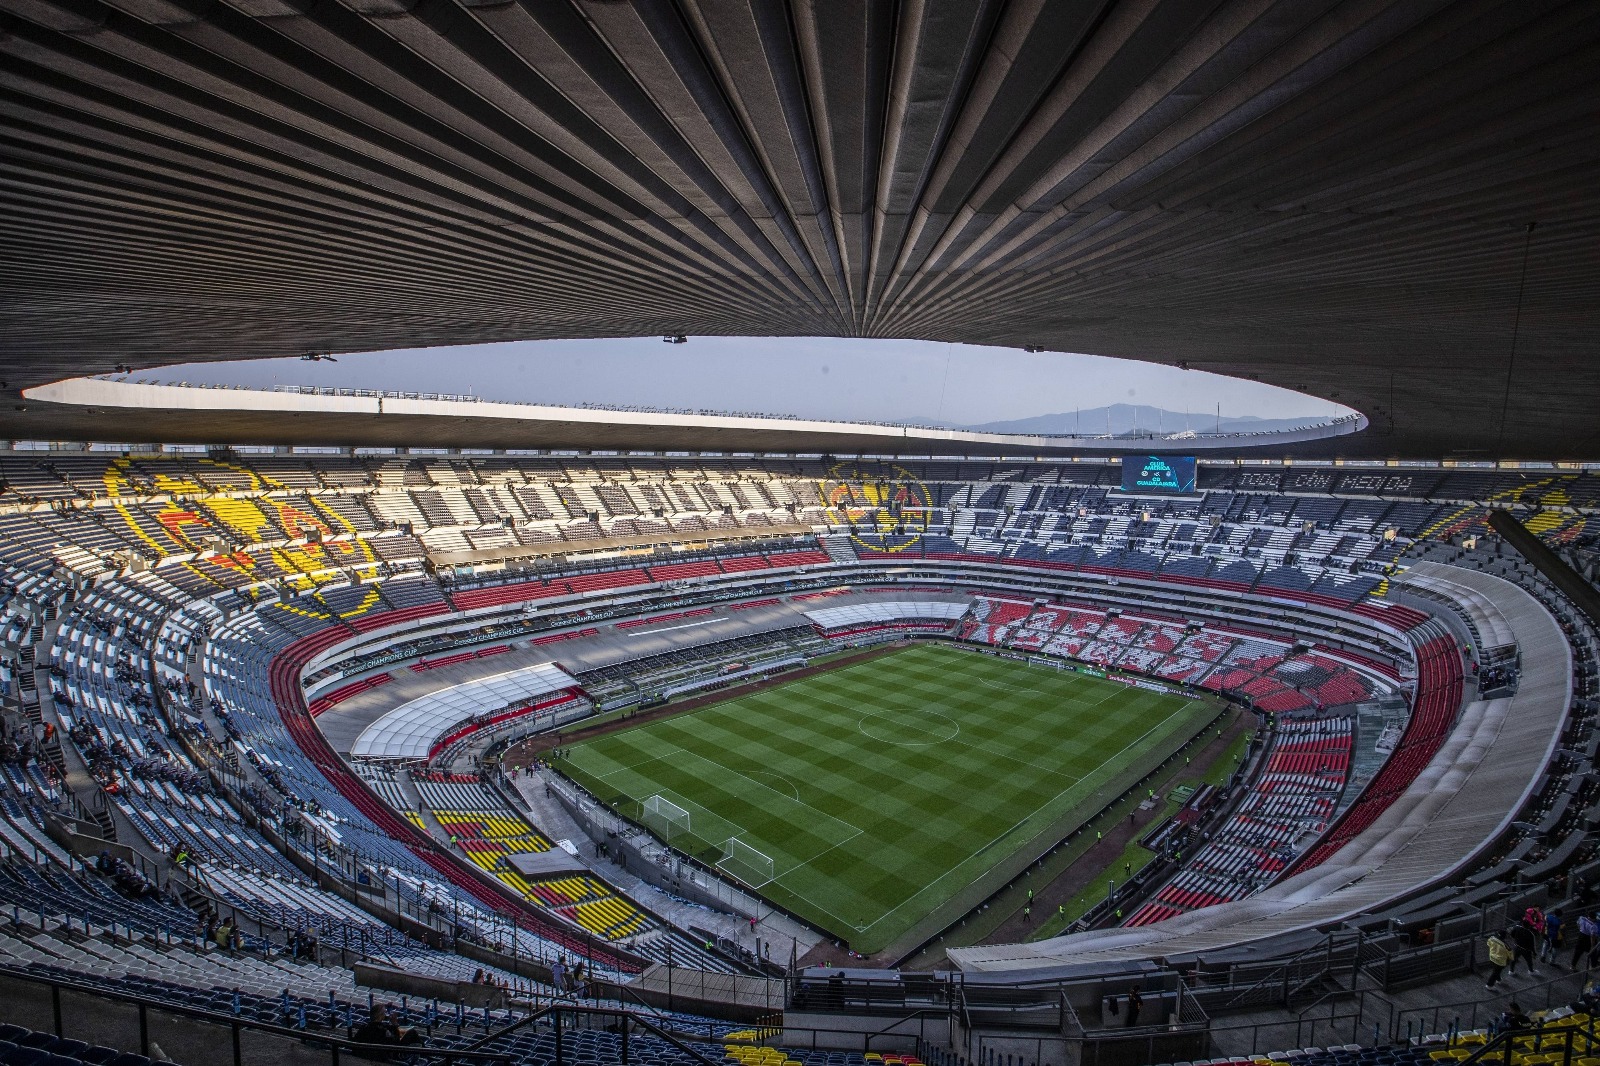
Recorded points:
782,934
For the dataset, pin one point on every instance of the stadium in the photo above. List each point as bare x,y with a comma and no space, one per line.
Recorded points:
349,724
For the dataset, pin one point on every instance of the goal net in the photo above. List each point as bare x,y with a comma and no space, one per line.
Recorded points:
747,864
665,818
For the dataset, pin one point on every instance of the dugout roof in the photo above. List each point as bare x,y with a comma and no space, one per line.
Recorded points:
409,731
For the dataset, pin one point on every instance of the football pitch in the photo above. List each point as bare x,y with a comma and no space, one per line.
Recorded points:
867,798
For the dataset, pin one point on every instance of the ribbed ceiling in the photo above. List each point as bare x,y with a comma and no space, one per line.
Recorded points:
1328,196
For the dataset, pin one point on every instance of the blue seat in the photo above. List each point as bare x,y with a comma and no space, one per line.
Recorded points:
128,1058
24,1056
98,1056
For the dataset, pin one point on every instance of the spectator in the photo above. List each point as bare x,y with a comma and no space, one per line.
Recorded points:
1552,936
377,1029
1500,956
1588,940
303,945
1513,1018
1524,946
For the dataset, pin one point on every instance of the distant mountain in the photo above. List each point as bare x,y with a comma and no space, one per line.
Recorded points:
1124,418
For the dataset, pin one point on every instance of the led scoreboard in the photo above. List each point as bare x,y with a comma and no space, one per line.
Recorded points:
1158,473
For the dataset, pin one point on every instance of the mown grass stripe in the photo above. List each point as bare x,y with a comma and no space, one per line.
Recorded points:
866,746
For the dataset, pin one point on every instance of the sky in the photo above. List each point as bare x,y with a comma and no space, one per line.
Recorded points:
818,377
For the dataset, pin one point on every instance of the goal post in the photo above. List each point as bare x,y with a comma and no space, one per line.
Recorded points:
665,818
744,862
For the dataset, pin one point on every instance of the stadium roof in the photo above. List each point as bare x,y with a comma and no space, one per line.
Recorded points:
1334,197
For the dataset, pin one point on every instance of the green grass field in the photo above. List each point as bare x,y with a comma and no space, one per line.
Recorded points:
881,790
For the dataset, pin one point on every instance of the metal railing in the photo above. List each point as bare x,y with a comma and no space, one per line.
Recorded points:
558,1011
1542,1040
238,1025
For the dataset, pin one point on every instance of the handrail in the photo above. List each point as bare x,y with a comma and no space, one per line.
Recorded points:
919,1012
1503,1045
1280,972
338,1043
555,1010
1357,969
